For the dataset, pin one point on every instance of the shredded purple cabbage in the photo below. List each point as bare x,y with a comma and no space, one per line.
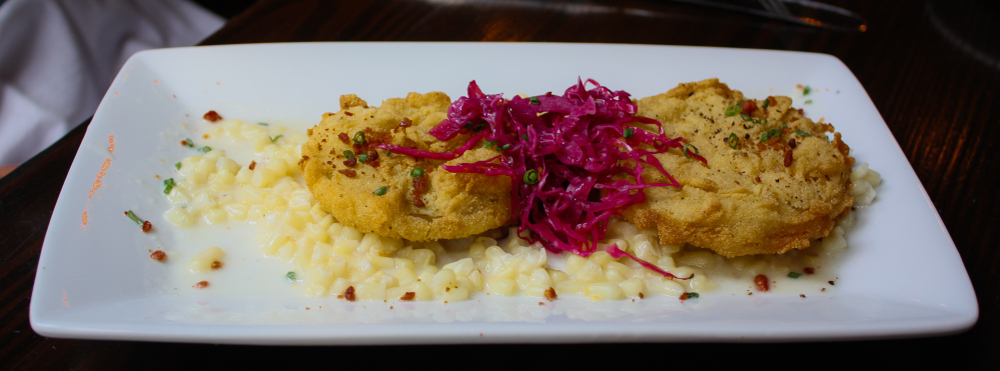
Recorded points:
577,144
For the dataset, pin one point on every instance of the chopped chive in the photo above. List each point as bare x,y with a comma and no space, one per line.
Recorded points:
388,152
189,142
524,136
745,117
531,177
504,147
177,165
363,157
809,101
732,111
264,124
806,90
479,127
534,100
204,149
349,154
169,184
685,149
767,103
794,275
489,144
784,125
692,295
381,191
629,132
275,139
763,137
290,276
359,137
802,133
134,218
417,172
774,133
733,140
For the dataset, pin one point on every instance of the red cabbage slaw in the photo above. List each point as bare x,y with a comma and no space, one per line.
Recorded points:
564,155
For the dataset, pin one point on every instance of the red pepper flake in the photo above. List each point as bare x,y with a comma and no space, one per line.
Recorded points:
803,113
212,116
373,163
408,296
348,113
184,143
253,164
373,156
419,187
406,122
788,158
344,138
349,173
791,143
808,270
641,296
147,226
684,296
216,264
351,162
349,294
758,179
551,294
201,285
748,107
830,282
802,296
158,255
761,282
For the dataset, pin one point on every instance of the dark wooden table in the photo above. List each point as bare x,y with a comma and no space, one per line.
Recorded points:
931,67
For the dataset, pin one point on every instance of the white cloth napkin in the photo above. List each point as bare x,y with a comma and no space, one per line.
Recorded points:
58,57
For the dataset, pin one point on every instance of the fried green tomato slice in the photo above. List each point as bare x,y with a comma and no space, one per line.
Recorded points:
395,195
772,183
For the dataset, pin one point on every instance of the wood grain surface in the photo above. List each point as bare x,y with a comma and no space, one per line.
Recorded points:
931,68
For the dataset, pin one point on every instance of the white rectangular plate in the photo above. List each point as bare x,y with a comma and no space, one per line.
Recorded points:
901,276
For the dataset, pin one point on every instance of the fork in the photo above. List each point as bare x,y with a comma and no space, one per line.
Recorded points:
776,9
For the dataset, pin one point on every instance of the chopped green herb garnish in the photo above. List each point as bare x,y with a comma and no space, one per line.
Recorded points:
177,165
685,149
767,102
189,142
388,152
763,137
169,184
291,276
265,124
381,191
349,154
802,133
134,218
809,101
504,147
692,295
629,132
534,100
531,177
746,117
489,144
732,111
479,127
806,90
794,275
733,140
204,149
417,172
363,157
784,125
774,133
275,139
359,137
524,136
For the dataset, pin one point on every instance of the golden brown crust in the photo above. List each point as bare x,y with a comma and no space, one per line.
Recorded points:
456,205
746,200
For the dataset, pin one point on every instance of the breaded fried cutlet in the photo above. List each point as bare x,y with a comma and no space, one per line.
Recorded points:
437,204
752,196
